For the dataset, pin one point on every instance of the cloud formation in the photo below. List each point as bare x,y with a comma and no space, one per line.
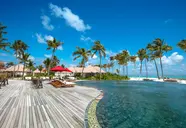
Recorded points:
173,59
47,55
71,19
83,38
42,39
45,20
31,58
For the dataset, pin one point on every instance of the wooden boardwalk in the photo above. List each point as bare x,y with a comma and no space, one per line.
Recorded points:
23,106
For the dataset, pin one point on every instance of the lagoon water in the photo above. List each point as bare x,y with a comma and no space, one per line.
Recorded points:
134,104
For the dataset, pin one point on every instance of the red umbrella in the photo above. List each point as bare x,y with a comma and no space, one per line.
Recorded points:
58,69
67,70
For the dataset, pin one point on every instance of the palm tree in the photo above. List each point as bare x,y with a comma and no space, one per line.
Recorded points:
182,45
153,56
133,60
18,47
126,58
62,65
40,68
47,62
146,57
141,55
105,67
30,66
53,44
9,64
83,54
24,59
55,62
160,48
112,58
3,43
98,47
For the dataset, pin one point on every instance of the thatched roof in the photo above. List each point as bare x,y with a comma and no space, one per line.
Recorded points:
18,68
88,69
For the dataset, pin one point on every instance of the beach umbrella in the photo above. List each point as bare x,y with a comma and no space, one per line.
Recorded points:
67,70
58,69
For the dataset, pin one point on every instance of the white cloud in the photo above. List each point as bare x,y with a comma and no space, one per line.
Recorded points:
49,37
83,38
47,55
31,58
110,53
167,21
46,22
43,39
71,19
60,48
173,59
94,56
40,39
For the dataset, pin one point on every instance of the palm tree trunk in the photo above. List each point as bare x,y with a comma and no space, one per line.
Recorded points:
141,68
156,69
23,71
82,70
51,61
146,69
100,68
123,70
14,66
127,69
161,68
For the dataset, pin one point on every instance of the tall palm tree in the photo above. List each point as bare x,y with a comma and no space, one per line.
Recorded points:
47,62
160,48
18,47
24,59
55,62
112,58
133,60
53,44
83,54
40,68
105,67
100,49
3,43
30,66
126,58
182,45
141,55
146,60
153,56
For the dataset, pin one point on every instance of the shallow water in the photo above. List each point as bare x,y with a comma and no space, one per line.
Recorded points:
140,104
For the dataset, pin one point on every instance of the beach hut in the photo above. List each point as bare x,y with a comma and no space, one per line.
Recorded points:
18,70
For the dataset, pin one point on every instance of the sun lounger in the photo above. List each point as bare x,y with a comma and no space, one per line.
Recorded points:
37,83
59,84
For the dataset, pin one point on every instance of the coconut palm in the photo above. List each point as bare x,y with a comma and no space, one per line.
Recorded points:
153,55
133,60
105,67
18,47
24,58
40,68
3,43
112,58
146,57
141,55
126,58
182,45
100,49
53,44
55,62
9,64
30,66
83,54
160,47
47,62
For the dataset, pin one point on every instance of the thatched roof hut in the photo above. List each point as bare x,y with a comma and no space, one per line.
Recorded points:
18,68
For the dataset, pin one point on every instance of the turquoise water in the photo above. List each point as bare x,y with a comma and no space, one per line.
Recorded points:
140,104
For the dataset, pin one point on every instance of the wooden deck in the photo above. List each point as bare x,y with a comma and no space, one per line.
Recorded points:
23,106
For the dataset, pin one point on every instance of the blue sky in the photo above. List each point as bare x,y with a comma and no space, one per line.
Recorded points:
117,24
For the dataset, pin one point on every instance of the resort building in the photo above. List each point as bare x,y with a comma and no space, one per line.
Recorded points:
88,71
18,70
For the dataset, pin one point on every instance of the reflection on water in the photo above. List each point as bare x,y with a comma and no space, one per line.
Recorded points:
140,104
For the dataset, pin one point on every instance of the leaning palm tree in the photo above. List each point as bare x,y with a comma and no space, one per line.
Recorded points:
112,58
47,62
3,43
160,48
100,49
53,44
24,59
146,57
55,62
182,45
141,55
83,54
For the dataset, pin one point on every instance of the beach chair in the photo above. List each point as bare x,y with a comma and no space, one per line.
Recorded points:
38,83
